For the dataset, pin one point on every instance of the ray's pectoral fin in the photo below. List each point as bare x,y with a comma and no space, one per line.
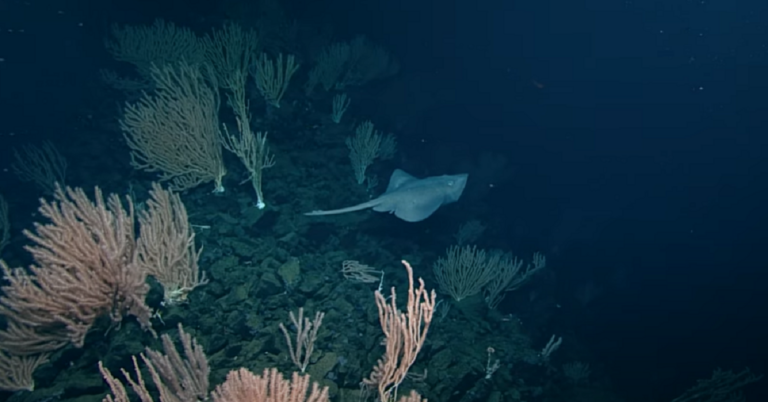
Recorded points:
414,210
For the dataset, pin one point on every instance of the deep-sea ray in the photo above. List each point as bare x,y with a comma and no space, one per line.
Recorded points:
409,198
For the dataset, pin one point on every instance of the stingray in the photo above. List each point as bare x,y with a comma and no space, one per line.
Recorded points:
409,198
